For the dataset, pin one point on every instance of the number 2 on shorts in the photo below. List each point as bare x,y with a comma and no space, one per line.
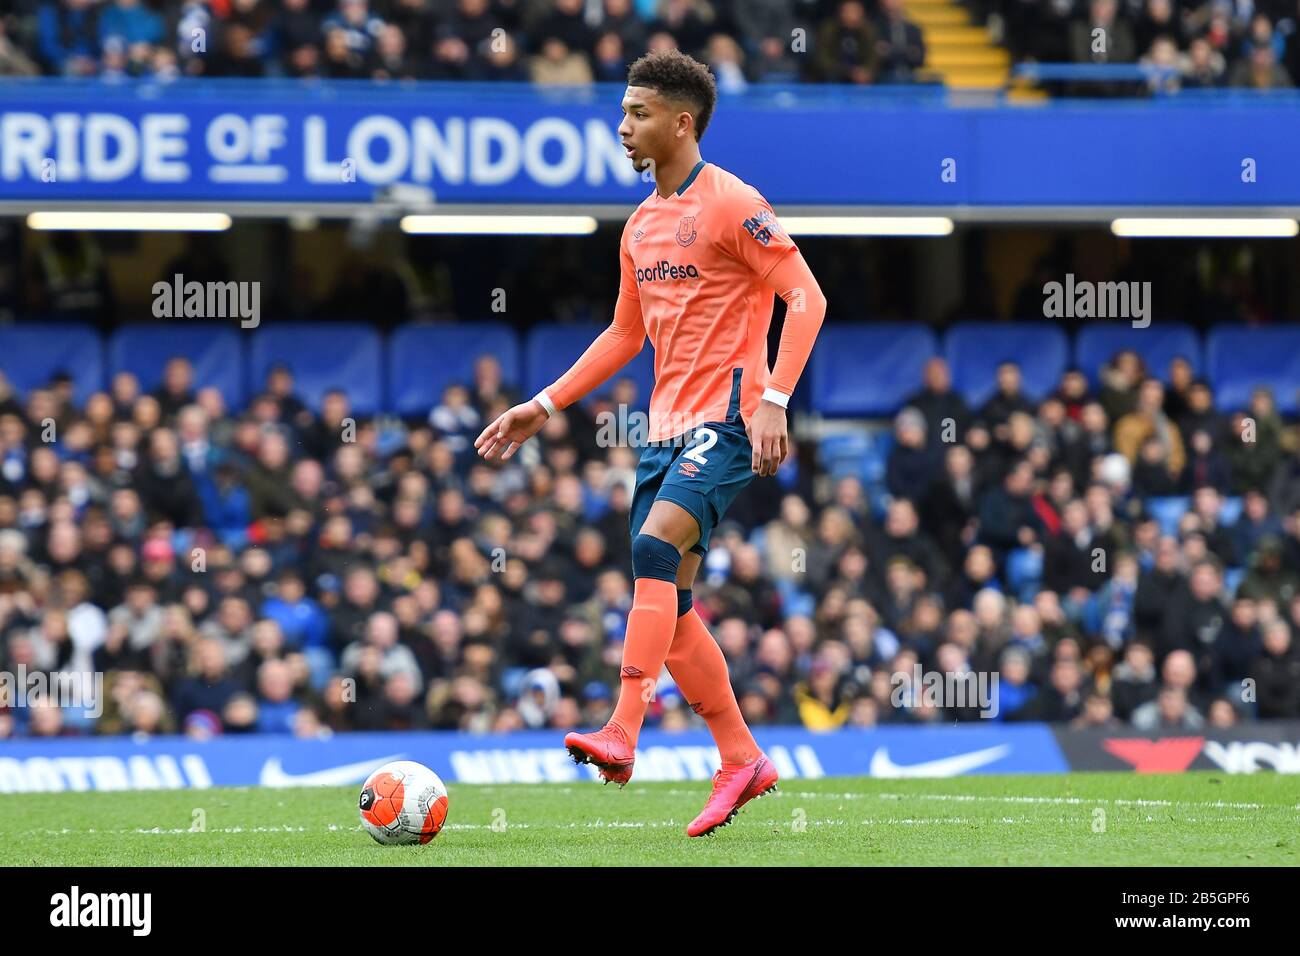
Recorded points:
705,438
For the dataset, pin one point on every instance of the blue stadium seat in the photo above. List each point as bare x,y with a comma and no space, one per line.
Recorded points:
1159,344
552,349
32,352
863,454
1232,578
322,355
1240,359
1025,572
424,359
976,349
795,602
1168,512
876,462
866,368
1230,511
213,349
844,454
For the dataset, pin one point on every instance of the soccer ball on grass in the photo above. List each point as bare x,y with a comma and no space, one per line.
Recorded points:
403,802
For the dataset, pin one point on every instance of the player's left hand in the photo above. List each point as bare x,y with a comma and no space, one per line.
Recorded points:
502,438
767,435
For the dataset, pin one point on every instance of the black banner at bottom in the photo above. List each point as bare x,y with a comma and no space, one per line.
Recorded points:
298,907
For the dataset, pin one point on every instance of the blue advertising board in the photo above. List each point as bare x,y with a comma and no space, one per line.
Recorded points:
281,141
120,763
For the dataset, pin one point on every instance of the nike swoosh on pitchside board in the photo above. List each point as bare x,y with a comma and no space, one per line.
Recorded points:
274,775
882,766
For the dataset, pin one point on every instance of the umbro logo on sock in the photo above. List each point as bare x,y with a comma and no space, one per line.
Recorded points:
632,672
697,707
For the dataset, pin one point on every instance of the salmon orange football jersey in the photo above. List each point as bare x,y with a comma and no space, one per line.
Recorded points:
696,261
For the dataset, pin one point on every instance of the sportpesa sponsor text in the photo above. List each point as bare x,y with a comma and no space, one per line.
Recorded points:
664,271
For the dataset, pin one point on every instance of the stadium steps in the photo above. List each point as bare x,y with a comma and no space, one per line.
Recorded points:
1023,91
961,59
956,51
937,13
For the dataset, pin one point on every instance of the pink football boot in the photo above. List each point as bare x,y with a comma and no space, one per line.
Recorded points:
606,748
732,789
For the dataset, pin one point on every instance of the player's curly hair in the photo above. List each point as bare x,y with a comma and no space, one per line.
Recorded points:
681,77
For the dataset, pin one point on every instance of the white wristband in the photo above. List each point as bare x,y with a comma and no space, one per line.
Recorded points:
780,398
545,401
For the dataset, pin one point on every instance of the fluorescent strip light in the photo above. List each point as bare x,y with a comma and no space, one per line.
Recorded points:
131,221
1205,228
488,225
867,225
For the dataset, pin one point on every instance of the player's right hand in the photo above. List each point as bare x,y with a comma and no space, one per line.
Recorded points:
500,440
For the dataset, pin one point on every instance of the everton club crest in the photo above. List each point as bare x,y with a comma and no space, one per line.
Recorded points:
686,230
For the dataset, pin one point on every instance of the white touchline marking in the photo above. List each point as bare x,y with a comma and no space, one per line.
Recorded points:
1069,801
333,827
1076,801
780,824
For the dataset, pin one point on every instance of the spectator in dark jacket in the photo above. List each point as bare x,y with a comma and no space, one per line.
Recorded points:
689,22
1006,401
946,413
901,47
1007,517
1254,444
913,462
950,503
760,20
1206,465
209,687
1133,681
1197,615
1157,586
1236,649
68,36
165,485
846,46
1068,558
1257,522
1207,505
567,23
1269,579
1277,674
269,488
621,18
1113,44
1061,699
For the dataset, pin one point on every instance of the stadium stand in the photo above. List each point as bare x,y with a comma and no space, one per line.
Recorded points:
1152,47
327,561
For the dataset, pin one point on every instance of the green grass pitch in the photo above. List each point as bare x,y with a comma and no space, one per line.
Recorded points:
1099,819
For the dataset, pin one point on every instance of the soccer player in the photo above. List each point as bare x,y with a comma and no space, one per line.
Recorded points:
700,260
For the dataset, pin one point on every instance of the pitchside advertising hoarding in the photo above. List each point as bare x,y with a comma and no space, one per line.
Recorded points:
538,757
268,141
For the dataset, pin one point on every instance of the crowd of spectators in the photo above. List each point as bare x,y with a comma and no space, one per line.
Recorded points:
1198,44
280,568
542,41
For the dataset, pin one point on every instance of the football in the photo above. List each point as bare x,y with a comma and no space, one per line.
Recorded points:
403,802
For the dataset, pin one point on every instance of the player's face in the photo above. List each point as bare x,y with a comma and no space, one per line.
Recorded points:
649,128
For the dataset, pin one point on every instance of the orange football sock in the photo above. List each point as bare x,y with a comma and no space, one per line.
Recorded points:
700,669
649,634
